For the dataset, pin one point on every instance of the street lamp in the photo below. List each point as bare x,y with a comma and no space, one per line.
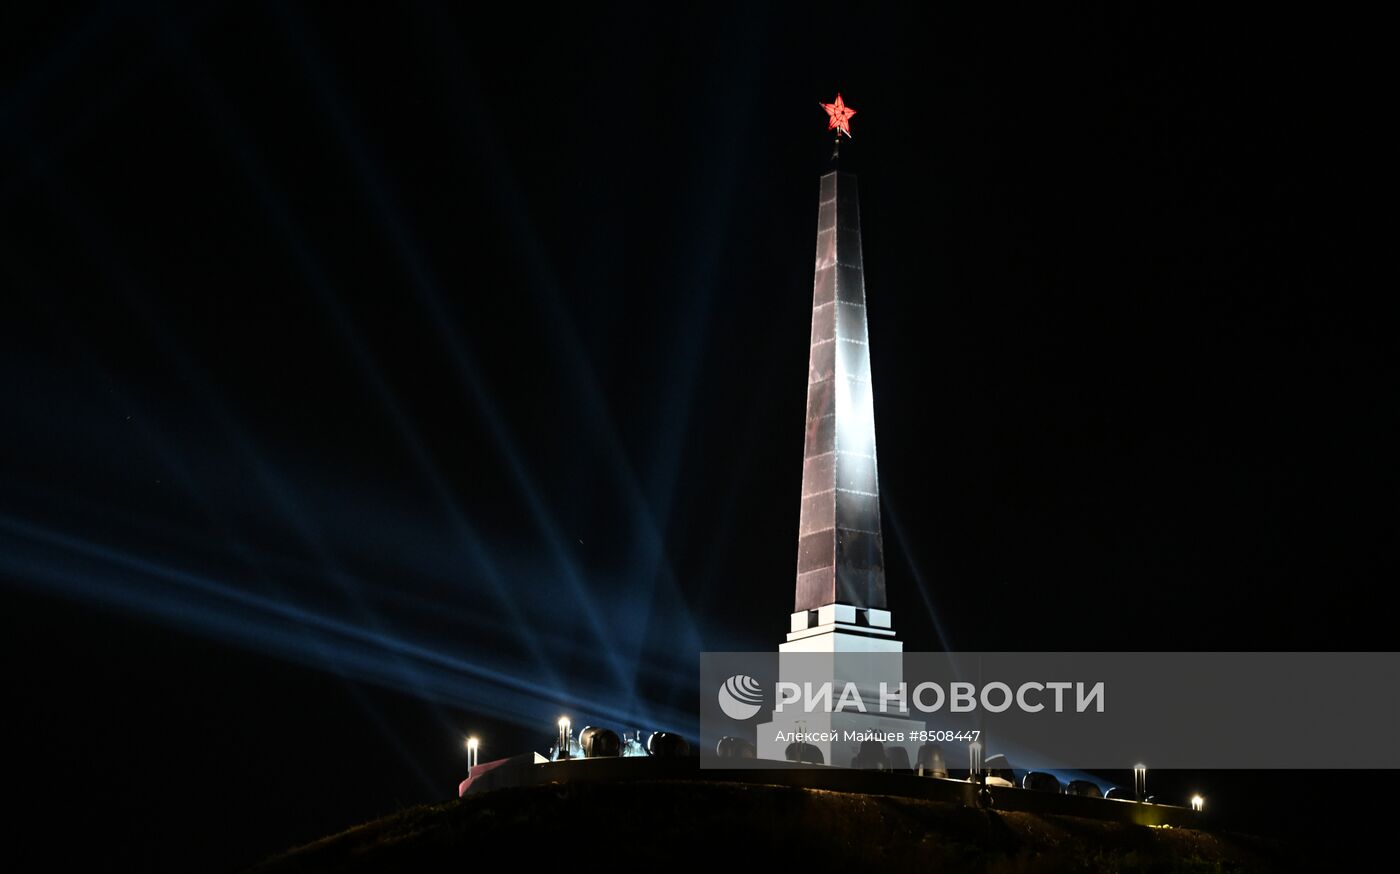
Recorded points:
1140,782
564,731
978,774
1198,803
472,750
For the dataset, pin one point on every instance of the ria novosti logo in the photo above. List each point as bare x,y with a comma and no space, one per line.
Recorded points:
740,697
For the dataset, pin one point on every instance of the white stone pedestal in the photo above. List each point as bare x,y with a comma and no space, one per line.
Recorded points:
840,644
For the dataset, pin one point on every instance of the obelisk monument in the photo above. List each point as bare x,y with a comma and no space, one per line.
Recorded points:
840,605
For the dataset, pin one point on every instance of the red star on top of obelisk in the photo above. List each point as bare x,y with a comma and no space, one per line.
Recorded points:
839,116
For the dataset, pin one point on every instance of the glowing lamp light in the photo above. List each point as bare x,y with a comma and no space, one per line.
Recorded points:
1198,803
565,729
1140,781
472,752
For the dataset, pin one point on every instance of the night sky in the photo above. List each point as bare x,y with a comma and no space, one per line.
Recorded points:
373,376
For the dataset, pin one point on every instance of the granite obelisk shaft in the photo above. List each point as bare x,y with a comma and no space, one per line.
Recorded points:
840,558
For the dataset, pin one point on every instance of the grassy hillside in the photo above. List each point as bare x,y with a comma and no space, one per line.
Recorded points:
730,826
